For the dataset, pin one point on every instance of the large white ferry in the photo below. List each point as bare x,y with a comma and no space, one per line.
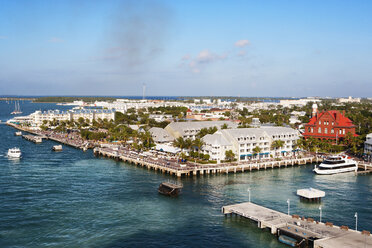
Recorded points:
14,153
336,164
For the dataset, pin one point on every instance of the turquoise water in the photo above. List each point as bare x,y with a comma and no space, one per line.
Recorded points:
72,199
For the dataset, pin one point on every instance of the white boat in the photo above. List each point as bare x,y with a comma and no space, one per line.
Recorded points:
14,152
19,133
57,148
336,164
17,109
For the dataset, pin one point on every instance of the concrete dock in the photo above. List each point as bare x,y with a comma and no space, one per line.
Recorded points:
307,231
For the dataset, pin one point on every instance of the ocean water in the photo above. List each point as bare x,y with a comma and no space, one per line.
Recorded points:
73,199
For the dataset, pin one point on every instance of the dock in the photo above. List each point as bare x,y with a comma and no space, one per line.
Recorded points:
170,189
307,231
34,138
311,194
173,167
57,138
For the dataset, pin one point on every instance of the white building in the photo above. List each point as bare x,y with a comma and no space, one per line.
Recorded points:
368,145
298,102
160,117
188,130
348,100
37,118
159,135
242,141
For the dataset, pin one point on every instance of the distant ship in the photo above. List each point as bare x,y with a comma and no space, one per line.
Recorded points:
17,109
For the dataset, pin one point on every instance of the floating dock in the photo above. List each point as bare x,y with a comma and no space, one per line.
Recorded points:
170,189
34,138
311,194
306,231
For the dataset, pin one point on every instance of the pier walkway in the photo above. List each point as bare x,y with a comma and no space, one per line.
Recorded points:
173,167
307,231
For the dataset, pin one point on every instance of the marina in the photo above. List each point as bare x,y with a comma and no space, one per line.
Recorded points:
306,231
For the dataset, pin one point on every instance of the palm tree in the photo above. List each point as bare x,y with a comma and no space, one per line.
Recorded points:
179,142
256,150
229,155
277,144
188,143
198,143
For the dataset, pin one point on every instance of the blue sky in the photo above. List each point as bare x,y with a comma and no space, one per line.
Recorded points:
212,48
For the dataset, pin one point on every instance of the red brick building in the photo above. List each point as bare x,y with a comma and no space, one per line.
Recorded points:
329,125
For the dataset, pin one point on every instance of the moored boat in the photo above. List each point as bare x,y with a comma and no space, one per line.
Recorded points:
336,164
19,133
57,148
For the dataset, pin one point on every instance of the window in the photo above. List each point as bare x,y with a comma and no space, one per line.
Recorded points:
320,130
312,130
332,130
320,122
325,123
326,130
333,123
343,131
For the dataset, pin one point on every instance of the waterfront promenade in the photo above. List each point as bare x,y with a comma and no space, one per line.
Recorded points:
307,231
172,166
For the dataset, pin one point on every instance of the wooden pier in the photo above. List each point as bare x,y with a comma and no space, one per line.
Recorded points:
307,231
179,170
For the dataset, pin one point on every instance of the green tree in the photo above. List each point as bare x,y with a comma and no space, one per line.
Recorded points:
256,150
229,155
180,143
198,143
277,144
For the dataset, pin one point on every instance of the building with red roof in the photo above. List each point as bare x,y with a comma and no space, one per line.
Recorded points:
330,124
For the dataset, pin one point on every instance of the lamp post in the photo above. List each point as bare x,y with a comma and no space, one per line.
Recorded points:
320,214
356,221
289,204
249,194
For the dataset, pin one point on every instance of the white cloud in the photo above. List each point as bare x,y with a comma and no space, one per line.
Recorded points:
55,40
203,58
206,56
242,43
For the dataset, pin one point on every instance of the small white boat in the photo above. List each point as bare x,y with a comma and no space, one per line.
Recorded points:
19,133
336,164
14,152
57,148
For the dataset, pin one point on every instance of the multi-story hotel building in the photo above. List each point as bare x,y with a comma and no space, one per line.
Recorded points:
37,118
242,141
